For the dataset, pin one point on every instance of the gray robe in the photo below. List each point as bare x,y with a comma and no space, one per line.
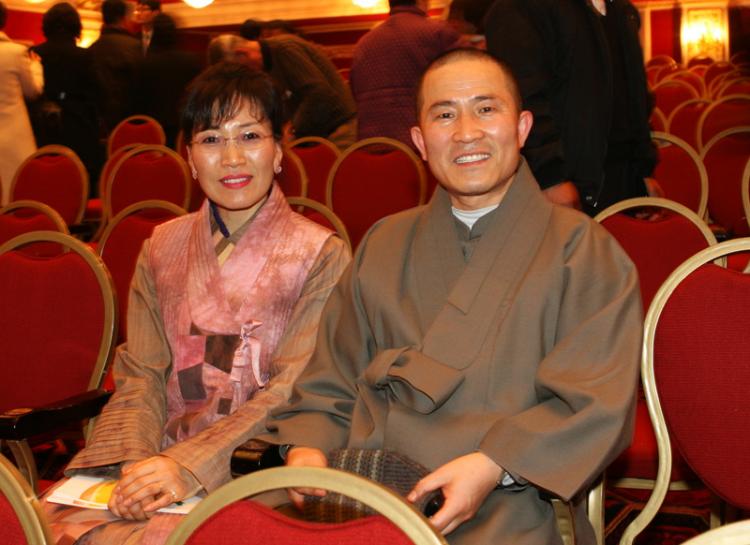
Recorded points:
522,343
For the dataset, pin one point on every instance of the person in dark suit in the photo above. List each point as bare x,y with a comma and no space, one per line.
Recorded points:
71,82
163,76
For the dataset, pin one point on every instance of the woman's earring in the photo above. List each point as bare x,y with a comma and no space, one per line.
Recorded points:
277,169
195,174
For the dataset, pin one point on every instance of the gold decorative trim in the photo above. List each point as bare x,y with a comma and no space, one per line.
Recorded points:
45,209
320,208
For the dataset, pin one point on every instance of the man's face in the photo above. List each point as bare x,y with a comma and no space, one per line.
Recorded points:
470,131
143,14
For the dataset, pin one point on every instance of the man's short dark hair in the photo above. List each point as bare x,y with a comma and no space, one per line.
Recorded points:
471,54
218,92
3,15
61,21
113,11
251,29
153,5
398,3
165,32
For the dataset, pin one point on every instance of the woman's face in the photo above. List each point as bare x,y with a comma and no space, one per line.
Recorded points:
235,163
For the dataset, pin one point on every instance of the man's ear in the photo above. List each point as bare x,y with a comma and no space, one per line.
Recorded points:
418,139
525,122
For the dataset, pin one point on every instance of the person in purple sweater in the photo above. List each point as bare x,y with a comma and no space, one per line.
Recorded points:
387,64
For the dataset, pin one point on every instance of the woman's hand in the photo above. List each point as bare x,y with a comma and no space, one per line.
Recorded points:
466,482
305,457
149,485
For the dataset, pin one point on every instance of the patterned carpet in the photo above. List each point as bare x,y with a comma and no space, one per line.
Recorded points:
683,515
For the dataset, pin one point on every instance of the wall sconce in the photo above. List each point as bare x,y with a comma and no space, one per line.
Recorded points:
198,4
704,33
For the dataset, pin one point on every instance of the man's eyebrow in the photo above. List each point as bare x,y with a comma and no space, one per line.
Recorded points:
449,102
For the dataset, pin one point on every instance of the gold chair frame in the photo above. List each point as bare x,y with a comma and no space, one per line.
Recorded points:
381,499
666,82
726,83
107,198
702,120
737,533
55,149
22,499
132,209
294,158
677,75
20,449
656,112
147,119
661,485
316,140
45,209
325,211
697,160
422,174
703,100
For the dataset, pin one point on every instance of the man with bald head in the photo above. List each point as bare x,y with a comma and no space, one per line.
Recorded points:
491,335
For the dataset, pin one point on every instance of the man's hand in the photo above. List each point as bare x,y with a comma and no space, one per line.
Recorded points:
149,485
564,193
466,482
305,457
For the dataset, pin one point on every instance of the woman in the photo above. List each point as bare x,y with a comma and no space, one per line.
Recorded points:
224,307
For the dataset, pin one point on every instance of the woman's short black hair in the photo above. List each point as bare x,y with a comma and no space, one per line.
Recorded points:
218,92
61,21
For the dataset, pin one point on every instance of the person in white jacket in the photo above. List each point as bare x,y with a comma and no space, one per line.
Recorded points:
20,76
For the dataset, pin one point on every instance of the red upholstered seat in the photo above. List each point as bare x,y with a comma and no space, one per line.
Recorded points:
318,156
136,129
683,122
724,113
702,370
147,173
372,179
692,79
715,70
671,93
121,243
292,179
725,158
657,121
21,217
681,173
250,523
734,86
55,176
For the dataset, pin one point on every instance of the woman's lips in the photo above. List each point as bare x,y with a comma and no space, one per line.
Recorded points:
236,181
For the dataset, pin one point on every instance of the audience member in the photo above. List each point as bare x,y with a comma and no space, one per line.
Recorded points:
319,100
224,309
581,73
116,56
20,76
490,335
164,75
387,64
143,14
252,29
70,81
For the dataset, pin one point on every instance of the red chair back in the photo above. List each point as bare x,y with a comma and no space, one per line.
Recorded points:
681,173
196,192
725,113
318,156
692,79
373,178
59,321
701,350
250,523
320,214
715,70
55,176
136,129
147,173
735,86
683,122
671,93
725,157
121,244
21,217
657,121
292,179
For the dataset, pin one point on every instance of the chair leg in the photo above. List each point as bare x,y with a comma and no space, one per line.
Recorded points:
25,461
595,509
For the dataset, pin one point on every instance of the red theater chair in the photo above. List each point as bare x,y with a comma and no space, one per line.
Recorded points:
292,179
681,173
318,155
136,129
320,214
21,517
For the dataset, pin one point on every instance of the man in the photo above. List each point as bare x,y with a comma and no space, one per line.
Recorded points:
580,69
490,335
387,64
144,13
116,56
319,101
